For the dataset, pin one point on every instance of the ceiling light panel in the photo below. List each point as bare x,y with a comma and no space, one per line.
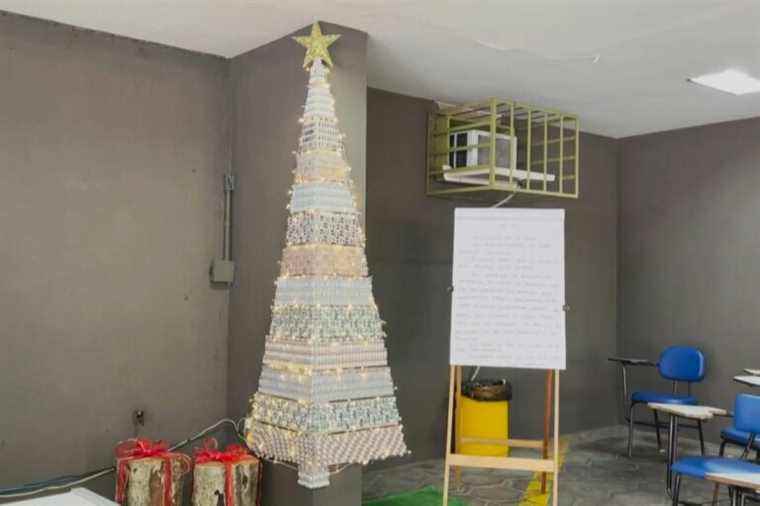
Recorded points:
730,81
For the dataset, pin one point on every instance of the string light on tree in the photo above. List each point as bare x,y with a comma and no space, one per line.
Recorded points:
326,397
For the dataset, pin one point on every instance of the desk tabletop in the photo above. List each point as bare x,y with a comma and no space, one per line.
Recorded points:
753,381
752,372
632,361
693,412
743,480
75,497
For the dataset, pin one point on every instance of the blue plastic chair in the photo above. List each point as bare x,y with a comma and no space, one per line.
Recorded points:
736,437
746,419
679,364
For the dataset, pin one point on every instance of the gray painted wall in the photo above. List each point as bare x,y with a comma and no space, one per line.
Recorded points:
112,152
689,248
409,247
268,90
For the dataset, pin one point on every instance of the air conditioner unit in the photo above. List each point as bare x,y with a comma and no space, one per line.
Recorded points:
479,158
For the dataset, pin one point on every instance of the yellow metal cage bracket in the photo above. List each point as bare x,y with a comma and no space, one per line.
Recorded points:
484,149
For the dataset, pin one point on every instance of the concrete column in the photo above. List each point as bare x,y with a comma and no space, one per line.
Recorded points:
267,94
281,488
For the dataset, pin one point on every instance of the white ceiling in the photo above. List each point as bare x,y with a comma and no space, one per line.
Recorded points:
539,51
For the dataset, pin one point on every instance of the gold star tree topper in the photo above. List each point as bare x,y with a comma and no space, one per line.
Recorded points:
316,45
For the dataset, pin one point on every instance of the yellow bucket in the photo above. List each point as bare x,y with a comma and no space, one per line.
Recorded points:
483,419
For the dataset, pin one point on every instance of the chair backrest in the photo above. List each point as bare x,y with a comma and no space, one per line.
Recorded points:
682,363
747,413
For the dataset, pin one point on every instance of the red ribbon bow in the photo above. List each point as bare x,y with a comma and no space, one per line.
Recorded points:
139,448
234,454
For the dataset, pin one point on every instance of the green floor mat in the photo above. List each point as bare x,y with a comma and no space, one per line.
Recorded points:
426,497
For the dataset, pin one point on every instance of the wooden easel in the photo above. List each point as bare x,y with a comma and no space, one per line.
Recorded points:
544,464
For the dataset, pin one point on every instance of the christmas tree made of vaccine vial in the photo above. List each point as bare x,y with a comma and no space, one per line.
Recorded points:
326,397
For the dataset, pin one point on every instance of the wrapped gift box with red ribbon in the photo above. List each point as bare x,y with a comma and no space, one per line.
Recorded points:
233,474
148,474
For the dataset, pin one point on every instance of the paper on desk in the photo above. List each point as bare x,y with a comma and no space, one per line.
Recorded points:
688,411
748,380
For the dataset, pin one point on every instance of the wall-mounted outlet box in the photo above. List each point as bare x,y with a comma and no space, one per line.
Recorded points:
222,271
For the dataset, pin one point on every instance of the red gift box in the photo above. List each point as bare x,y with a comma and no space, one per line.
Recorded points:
169,468
232,457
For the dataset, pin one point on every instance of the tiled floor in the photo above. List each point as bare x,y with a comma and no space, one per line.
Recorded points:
596,472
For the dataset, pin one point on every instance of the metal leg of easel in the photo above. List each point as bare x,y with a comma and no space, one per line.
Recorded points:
446,468
458,421
547,423
555,481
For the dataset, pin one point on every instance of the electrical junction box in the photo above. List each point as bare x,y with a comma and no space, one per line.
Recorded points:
222,271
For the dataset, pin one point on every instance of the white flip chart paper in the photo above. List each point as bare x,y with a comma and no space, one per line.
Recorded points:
508,300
